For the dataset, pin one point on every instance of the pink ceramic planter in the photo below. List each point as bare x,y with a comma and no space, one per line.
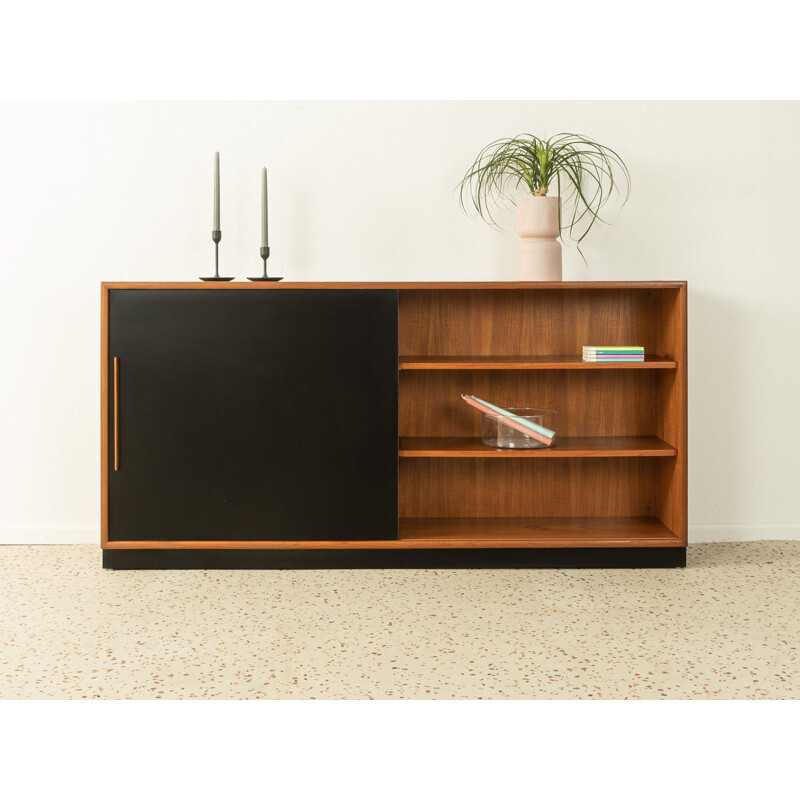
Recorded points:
539,256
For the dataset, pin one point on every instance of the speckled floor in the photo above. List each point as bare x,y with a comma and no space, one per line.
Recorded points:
728,626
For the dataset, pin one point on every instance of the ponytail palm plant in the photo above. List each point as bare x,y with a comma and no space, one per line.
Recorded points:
582,172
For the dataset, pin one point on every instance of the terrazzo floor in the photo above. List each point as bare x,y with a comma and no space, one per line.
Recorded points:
726,627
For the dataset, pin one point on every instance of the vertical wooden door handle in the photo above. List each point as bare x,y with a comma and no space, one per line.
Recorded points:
116,414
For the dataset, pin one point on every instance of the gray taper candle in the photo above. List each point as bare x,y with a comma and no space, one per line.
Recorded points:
216,193
264,223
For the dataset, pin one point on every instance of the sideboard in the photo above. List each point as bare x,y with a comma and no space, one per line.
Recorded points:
314,425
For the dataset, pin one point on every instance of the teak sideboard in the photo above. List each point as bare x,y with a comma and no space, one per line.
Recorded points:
297,425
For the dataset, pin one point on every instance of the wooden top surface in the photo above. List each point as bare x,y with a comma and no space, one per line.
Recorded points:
241,283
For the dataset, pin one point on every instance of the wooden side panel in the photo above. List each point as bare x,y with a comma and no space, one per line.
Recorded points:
104,415
672,424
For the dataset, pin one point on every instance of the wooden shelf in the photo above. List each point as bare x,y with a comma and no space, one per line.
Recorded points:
567,447
538,532
527,362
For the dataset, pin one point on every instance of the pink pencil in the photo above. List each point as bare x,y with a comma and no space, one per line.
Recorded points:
512,423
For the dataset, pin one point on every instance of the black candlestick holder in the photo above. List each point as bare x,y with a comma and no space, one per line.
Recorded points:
265,277
216,237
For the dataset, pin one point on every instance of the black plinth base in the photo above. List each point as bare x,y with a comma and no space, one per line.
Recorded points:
477,558
265,279
217,279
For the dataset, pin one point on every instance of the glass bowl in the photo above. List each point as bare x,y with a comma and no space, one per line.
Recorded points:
506,432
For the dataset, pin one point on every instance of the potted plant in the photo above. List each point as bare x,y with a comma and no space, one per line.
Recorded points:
583,172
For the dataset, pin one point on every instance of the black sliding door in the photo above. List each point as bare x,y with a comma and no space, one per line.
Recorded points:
253,414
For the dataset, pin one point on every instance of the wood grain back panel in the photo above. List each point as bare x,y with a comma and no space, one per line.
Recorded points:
589,487
528,321
602,403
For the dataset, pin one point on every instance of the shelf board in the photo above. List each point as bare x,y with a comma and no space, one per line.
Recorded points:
566,447
441,532
528,362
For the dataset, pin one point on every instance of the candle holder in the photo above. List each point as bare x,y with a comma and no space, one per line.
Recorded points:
265,255
216,236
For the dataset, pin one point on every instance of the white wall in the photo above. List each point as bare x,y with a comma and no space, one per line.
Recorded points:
365,191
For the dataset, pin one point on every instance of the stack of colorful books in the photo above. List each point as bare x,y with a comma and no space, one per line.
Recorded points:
603,354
